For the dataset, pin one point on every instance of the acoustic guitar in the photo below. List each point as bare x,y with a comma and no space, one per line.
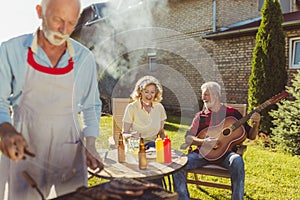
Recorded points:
230,132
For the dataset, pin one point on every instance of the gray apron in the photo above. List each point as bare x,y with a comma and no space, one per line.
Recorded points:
46,119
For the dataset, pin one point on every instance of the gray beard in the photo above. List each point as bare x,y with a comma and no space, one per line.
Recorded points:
209,104
50,35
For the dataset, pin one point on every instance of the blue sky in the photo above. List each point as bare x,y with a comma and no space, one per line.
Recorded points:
19,16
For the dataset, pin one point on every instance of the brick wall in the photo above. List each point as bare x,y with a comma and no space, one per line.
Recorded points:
233,11
232,57
188,16
196,60
225,61
229,64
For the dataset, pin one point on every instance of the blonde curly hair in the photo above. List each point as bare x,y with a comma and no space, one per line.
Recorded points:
142,83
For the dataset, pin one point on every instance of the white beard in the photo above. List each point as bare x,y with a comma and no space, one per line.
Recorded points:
51,36
209,104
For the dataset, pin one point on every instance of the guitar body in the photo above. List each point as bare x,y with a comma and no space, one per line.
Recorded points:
227,135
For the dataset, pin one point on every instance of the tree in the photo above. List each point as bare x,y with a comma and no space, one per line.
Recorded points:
268,76
286,131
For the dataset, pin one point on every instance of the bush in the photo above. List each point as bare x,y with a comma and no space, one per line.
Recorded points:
286,131
268,76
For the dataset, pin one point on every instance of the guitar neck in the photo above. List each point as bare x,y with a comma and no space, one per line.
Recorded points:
247,117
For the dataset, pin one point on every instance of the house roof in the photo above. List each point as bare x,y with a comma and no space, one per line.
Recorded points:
250,27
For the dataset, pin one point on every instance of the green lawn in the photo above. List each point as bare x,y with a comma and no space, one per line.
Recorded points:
269,175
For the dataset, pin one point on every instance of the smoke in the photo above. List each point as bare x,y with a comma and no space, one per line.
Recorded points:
122,17
124,38
111,50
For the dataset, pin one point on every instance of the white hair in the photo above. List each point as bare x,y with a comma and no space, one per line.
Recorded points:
213,87
44,4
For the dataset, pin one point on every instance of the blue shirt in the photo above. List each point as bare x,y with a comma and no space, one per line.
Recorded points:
13,62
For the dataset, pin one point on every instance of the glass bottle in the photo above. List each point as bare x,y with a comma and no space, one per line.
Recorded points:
121,149
159,146
142,155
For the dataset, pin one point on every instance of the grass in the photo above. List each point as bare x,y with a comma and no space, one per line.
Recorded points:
269,175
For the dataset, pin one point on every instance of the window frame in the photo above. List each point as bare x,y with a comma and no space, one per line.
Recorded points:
293,43
285,5
152,62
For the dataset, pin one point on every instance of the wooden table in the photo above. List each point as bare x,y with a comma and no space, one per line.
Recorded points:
130,169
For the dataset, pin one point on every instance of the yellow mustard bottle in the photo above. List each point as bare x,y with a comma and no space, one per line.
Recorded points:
159,146
121,149
142,155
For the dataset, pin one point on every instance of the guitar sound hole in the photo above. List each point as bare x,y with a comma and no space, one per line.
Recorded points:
226,131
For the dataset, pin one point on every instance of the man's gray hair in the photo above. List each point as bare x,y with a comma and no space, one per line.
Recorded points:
44,4
213,87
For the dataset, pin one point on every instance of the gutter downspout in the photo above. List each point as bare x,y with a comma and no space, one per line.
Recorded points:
214,16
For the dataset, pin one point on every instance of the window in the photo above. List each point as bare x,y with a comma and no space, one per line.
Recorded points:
294,56
285,5
152,62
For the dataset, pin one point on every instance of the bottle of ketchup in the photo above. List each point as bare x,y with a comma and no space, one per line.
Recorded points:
167,150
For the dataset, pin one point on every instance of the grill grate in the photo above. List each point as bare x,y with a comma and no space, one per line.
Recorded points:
121,189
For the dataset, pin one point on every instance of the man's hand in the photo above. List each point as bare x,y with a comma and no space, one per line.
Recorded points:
193,140
92,156
210,142
189,139
255,117
12,143
93,159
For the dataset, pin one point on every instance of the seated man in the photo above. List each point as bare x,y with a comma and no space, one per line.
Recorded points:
213,114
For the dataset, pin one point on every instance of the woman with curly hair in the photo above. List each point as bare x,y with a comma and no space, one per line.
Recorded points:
145,115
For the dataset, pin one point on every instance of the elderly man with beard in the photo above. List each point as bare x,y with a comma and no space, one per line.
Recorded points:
213,113
47,79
